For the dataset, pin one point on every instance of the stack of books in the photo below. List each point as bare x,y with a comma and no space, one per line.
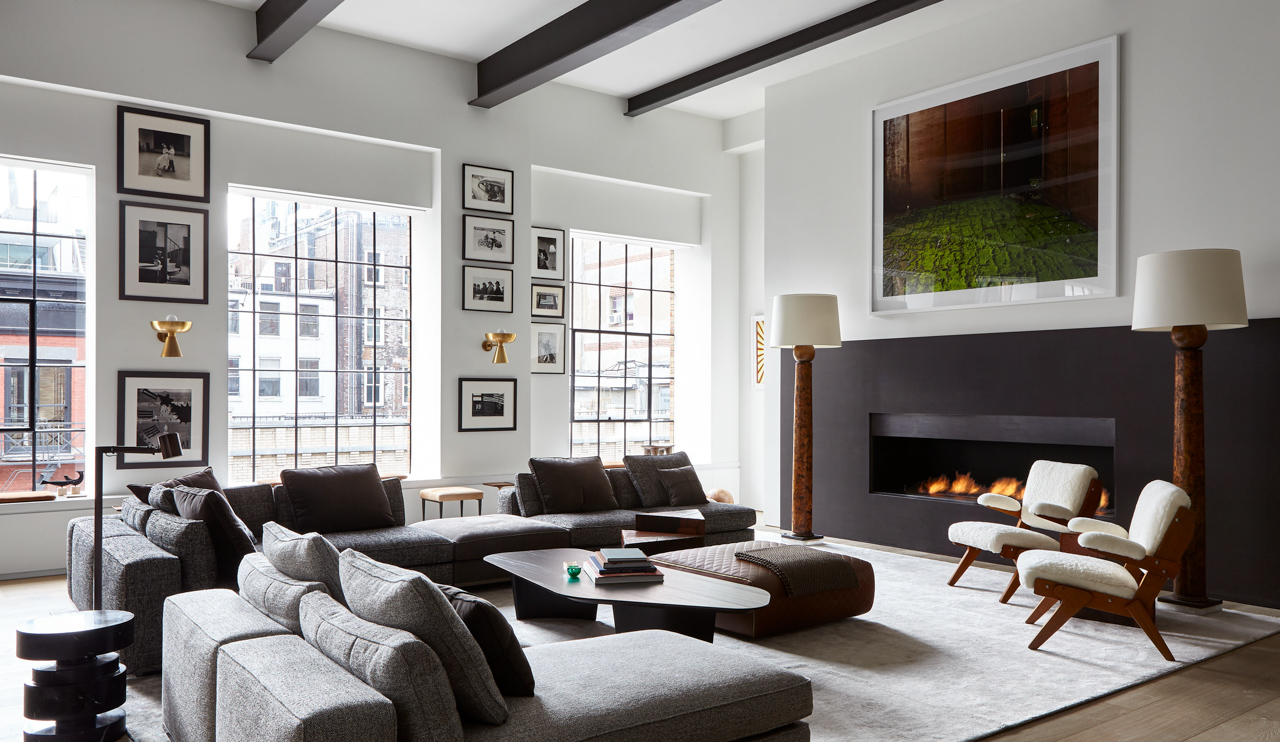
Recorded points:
616,566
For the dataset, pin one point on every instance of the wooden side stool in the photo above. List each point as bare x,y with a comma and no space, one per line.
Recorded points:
441,495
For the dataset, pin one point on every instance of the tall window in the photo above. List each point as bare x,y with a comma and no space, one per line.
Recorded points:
623,343
45,213
331,348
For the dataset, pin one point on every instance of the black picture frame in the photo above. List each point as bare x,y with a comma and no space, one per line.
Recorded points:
560,254
464,402
127,437
470,248
488,189
537,311
129,180
130,258
470,303
536,366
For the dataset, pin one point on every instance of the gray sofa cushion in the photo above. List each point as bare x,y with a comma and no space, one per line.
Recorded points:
161,498
720,517
395,663
527,496
254,505
307,557
644,474
135,513
478,536
267,693
196,624
274,593
406,600
601,528
188,540
624,490
698,692
402,546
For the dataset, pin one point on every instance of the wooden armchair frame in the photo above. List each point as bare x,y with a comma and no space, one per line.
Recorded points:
1066,541
1155,570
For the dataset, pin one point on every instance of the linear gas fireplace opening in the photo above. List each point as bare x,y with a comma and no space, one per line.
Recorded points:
959,457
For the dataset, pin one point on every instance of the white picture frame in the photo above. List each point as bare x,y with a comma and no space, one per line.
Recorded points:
546,347
548,253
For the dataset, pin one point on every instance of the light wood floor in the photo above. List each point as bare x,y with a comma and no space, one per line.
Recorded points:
1232,698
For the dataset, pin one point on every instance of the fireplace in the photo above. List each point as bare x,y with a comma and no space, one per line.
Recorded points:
955,458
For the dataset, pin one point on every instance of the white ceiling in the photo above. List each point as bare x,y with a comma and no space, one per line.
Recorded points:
473,29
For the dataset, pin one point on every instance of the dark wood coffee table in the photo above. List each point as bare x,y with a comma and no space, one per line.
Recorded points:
685,603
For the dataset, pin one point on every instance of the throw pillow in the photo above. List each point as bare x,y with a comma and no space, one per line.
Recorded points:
203,479
572,485
407,600
624,490
275,594
328,499
231,538
493,632
161,498
309,557
683,486
644,475
393,662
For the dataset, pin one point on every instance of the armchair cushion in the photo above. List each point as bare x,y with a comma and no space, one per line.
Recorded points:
993,537
999,502
644,474
1106,542
337,498
231,538
1061,484
572,485
309,557
1157,506
1084,572
1087,525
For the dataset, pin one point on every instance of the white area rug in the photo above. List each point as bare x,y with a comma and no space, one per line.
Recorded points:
929,662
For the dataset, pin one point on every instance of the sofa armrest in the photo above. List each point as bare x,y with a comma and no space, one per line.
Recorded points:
527,497
507,503
395,493
188,540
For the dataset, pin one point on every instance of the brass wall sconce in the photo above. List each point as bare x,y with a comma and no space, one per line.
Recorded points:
497,340
167,332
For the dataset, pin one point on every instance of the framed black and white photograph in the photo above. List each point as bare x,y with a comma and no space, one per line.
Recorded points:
162,154
487,189
488,240
164,253
547,347
486,289
152,403
548,252
547,301
486,404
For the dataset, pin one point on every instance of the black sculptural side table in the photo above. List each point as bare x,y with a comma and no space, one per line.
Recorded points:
78,697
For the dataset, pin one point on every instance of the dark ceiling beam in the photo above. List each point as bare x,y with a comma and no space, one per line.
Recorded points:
584,34
282,23
859,19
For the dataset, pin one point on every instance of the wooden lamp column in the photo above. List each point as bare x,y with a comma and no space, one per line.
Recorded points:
1187,293
804,322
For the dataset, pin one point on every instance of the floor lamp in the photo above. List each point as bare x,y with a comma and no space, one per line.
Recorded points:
1187,293
804,322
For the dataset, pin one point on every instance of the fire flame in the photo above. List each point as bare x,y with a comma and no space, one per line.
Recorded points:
964,485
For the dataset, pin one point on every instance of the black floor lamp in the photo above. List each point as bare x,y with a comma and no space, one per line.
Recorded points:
82,691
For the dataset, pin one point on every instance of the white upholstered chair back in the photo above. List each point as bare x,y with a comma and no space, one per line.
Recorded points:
1157,505
1056,483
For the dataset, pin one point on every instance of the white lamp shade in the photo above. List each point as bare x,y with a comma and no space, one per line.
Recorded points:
1189,287
805,319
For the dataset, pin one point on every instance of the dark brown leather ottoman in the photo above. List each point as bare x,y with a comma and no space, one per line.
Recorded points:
478,536
783,613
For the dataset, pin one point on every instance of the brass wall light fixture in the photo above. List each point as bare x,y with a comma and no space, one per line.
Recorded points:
167,331
497,340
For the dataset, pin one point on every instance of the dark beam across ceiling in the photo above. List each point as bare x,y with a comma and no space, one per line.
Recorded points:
281,23
833,29
584,34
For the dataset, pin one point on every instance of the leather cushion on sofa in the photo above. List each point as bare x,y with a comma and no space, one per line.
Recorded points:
644,474
593,530
203,479
395,663
572,485
408,601
309,557
478,536
231,538
402,546
337,498
683,486
493,632
277,595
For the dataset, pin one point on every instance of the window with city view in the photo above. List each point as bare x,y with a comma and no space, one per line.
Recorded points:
623,347
318,337
45,215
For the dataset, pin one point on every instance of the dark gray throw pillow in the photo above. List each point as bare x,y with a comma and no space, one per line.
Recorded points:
203,479
683,486
497,640
572,485
330,499
308,557
231,538
644,475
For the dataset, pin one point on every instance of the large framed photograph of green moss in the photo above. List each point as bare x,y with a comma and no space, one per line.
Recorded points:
1000,189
